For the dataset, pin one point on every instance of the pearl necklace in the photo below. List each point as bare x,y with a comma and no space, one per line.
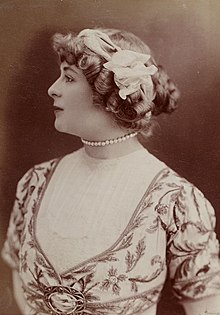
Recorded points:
110,141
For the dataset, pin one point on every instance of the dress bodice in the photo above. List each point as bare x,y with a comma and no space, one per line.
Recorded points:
171,228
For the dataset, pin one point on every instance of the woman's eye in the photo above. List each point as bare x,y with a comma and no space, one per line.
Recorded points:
68,79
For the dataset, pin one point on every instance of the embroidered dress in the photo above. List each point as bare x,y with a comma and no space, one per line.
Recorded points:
98,237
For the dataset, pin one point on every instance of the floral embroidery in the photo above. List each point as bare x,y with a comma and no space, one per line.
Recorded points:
23,259
161,208
72,299
113,281
132,259
158,267
172,210
126,242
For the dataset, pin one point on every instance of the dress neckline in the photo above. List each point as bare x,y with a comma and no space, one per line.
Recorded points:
91,259
132,156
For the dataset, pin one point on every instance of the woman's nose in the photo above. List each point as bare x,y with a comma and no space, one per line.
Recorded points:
54,89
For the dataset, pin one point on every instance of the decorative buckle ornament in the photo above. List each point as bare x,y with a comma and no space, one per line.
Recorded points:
64,300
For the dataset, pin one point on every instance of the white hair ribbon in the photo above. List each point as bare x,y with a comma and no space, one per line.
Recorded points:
128,66
98,42
130,72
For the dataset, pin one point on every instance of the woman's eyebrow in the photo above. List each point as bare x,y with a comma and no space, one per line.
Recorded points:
69,68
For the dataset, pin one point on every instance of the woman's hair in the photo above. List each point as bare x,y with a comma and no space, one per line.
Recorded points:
135,112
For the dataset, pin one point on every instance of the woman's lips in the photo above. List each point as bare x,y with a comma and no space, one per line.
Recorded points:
57,109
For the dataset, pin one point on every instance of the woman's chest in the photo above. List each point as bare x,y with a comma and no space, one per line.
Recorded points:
81,218
125,264
128,272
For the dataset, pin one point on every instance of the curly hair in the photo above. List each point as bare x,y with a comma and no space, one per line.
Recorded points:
136,111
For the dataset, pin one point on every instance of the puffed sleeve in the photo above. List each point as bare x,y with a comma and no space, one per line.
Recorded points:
193,250
11,247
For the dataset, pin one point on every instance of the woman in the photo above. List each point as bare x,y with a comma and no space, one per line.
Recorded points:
98,230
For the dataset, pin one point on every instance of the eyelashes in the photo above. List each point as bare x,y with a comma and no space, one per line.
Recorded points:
69,78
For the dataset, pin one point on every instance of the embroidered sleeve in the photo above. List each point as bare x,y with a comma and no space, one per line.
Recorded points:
10,251
193,250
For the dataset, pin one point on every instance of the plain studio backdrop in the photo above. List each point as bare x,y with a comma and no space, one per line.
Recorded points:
184,36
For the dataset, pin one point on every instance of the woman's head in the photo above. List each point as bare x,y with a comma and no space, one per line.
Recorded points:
135,111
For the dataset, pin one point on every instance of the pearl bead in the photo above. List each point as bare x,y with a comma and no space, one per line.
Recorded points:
110,141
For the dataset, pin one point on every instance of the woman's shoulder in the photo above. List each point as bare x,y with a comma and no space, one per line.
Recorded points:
167,177
172,180
39,168
178,202
172,191
40,171
47,166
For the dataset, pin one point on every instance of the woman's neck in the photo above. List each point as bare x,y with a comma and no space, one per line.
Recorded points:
114,150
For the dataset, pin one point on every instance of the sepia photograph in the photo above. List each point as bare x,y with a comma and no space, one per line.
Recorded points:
109,163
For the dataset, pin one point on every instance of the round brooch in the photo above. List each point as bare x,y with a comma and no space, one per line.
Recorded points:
64,300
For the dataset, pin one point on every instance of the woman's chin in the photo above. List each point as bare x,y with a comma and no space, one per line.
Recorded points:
59,127
63,128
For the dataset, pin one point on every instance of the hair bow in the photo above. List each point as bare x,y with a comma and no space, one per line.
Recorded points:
128,66
130,72
98,42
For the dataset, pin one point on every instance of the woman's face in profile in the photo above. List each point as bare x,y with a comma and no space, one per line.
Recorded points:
73,101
